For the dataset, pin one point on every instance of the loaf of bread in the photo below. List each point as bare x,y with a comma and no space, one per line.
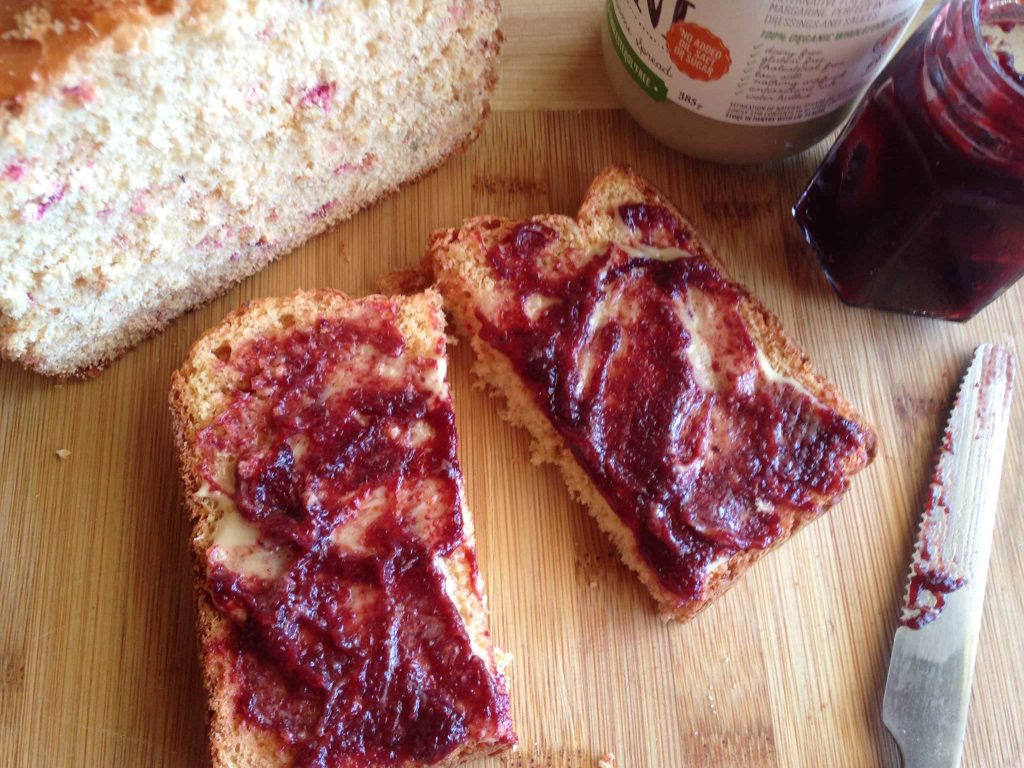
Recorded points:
696,433
342,619
153,152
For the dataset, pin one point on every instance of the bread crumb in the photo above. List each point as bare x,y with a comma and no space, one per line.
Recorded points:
502,660
607,760
63,453
593,585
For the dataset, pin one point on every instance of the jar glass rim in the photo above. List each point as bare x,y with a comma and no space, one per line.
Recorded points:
968,95
972,15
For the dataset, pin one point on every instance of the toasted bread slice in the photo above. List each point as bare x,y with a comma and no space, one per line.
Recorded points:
696,433
342,619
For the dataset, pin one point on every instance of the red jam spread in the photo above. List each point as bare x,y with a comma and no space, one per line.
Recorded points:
926,596
693,443
932,576
351,651
919,206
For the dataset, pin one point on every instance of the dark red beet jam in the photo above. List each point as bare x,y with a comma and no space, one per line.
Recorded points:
936,569
933,577
926,596
696,472
354,653
919,206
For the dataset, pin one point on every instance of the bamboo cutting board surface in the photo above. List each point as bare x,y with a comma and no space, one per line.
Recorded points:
97,657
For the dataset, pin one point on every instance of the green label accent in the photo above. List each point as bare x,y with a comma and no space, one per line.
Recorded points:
644,76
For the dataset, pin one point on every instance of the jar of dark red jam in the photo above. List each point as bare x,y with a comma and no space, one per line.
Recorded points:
919,206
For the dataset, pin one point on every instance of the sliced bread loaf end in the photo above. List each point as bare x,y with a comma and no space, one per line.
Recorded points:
152,154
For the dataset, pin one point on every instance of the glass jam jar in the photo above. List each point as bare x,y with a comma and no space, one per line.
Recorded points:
919,206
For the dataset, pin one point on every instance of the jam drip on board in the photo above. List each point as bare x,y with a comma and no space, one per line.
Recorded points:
345,642
639,356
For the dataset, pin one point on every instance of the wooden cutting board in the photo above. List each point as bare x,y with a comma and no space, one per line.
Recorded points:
97,658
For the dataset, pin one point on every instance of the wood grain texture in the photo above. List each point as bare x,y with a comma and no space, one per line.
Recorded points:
551,58
97,658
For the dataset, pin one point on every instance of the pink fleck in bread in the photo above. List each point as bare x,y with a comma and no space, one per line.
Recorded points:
153,152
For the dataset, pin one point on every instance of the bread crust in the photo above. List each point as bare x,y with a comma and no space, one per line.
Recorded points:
233,744
148,323
451,259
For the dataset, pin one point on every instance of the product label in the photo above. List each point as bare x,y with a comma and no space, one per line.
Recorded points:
756,62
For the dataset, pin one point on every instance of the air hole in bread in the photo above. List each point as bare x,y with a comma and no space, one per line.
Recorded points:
223,352
287,320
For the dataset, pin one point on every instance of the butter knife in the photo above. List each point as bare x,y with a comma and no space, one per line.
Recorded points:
929,684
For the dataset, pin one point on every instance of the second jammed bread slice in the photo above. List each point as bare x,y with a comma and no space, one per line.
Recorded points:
342,619
678,411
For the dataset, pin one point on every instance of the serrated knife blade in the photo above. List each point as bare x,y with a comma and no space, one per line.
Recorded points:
929,684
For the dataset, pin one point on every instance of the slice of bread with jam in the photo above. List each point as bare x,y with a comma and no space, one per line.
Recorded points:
342,619
694,430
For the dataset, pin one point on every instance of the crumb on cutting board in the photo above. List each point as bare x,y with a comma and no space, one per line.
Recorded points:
62,453
607,760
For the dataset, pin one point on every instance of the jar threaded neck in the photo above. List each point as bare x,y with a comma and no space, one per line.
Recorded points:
972,102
